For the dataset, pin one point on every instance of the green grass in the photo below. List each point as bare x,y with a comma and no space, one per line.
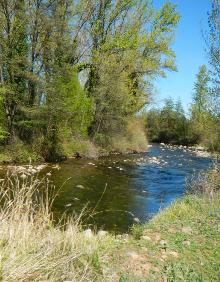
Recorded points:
191,229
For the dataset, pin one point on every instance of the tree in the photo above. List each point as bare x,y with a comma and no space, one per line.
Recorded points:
201,91
117,47
136,39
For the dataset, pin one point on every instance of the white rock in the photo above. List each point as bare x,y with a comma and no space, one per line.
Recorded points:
136,219
23,176
80,186
102,233
132,254
88,233
145,237
163,243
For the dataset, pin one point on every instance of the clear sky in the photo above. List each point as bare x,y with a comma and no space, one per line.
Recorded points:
190,50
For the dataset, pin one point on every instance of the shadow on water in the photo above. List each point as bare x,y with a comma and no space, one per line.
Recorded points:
119,190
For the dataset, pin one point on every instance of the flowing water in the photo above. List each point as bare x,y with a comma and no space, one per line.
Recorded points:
117,191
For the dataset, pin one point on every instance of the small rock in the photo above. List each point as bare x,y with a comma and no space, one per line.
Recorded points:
56,167
88,233
186,243
102,233
163,243
80,186
174,254
23,176
145,237
157,237
187,230
136,219
132,254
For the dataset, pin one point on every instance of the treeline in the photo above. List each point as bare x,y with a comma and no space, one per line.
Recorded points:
168,124
201,125
72,72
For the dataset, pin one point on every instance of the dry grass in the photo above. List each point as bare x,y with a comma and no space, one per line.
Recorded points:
31,247
206,183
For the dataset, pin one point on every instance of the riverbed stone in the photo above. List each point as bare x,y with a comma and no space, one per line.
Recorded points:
80,186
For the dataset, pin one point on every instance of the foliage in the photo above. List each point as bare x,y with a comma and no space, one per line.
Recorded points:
204,121
168,124
132,138
213,42
171,125
78,69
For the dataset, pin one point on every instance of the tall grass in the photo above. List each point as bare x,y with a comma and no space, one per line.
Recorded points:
31,247
205,183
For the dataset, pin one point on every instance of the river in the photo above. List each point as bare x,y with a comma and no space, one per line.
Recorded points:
117,191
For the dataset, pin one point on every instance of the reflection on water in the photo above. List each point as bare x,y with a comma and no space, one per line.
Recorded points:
119,190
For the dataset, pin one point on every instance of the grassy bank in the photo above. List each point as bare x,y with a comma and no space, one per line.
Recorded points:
182,243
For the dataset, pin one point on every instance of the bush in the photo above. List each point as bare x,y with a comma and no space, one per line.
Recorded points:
18,152
84,148
133,139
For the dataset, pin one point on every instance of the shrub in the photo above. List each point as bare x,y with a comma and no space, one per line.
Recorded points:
133,139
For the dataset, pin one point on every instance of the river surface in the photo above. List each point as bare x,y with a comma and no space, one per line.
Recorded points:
117,191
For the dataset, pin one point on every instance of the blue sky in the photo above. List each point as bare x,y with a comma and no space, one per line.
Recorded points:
190,51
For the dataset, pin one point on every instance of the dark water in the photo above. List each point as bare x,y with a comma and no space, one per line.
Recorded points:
119,189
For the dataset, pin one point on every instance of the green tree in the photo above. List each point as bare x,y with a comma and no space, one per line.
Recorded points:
199,109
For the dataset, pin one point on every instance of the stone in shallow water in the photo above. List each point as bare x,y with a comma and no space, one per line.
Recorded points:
80,186
136,219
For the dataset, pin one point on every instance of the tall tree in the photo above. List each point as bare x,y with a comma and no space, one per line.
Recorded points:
201,91
213,42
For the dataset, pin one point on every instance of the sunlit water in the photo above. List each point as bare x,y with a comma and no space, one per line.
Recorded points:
118,191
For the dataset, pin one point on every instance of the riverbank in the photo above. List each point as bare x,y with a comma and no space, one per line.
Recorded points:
23,154
181,243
